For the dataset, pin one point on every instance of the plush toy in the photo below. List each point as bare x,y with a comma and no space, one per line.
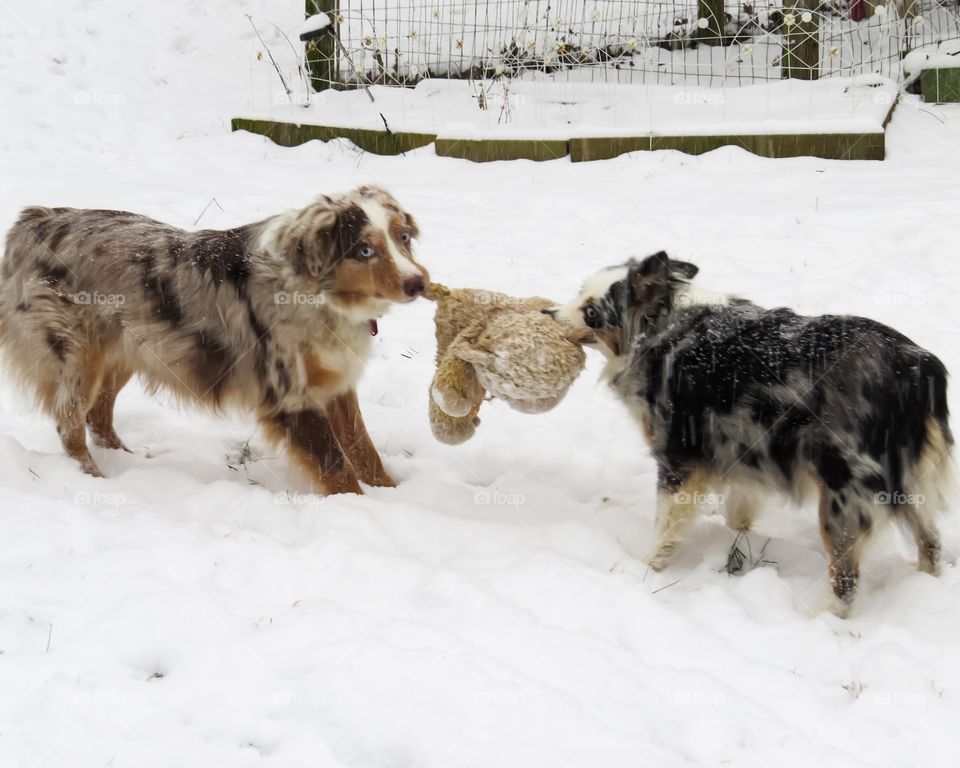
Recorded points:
494,343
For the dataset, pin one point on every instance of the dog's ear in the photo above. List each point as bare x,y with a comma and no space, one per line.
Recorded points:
648,284
683,270
308,238
411,222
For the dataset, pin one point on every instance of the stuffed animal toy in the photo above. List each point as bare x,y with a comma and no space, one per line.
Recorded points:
494,343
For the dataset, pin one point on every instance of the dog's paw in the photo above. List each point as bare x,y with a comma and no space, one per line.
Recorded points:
381,481
656,562
830,603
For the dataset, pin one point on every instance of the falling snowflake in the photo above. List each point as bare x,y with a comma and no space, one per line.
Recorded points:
436,14
459,44
414,70
632,45
918,21
358,70
746,48
339,19
789,19
880,10
413,34
367,41
703,23
806,17
596,15
497,70
834,52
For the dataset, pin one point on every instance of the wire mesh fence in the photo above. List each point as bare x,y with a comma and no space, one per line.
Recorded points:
689,42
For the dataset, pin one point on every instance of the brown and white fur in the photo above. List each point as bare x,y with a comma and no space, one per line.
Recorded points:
273,317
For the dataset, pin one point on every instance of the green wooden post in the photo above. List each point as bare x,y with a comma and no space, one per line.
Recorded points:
321,55
711,12
801,41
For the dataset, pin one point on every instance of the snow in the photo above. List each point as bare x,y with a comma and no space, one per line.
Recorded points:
200,607
315,23
942,55
563,110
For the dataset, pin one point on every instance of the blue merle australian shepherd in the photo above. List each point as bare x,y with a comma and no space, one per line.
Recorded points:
733,396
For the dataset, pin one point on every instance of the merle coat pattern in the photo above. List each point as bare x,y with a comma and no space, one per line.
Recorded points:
273,317
733,395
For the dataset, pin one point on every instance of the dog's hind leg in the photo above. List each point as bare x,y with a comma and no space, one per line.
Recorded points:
311,441
845,522
926,534
100,416
347,423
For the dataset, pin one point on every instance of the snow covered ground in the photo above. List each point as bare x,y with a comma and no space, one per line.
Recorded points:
195,610
516,109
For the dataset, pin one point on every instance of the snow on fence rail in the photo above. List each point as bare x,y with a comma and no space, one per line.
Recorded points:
701,42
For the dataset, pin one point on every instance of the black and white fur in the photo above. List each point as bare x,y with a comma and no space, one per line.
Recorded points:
734,396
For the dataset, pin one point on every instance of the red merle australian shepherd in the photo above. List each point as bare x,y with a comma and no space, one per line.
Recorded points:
733,396
273,317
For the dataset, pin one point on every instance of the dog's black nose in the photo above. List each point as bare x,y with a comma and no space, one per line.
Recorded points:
414,286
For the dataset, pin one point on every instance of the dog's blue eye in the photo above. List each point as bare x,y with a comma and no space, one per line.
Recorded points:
365,252
405,237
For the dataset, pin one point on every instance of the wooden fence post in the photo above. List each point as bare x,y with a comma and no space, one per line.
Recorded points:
801,40
321,54
711,12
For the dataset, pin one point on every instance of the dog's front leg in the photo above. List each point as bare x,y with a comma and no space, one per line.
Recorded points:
312,443
348,426
677,497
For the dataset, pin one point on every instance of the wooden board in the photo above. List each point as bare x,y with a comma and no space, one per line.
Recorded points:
831,146
292,134
487,150
940,85
834,146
